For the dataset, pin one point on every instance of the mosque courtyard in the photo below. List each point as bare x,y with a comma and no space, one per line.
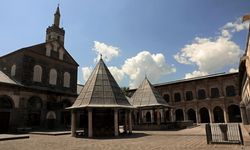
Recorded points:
139,140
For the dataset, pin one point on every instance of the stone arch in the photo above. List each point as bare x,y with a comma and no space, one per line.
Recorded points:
52,76
230,90
192,115
66,79
215,93
177,97
167,115
204,115
6,106
34,107
37,73
61,53
13,70
166,97
65,114
201,94
189,95
218,114
148,117
179,116
234,113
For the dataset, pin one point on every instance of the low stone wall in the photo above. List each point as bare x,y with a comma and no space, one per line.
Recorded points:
163,126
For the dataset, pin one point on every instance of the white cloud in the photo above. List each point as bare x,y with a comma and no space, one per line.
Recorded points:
117,73
86,73
145,63
231,70
212,54
195,74
107,51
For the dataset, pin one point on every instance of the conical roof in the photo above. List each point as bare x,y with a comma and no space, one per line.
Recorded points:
146,95
101,90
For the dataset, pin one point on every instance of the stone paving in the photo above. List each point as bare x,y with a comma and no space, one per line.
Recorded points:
136,141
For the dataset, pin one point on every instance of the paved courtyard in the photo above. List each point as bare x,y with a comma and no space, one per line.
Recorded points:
146,140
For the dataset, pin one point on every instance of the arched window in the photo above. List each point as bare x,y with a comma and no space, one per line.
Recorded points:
201,94
52,76
48,48
37,73
215,93
230,91
189,95
166,97
13,70
177,97
61,52
66,79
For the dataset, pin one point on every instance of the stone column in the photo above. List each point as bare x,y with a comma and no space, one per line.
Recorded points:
243,112
90,123
211,118
140,116
225,114
73,123
152,115
197,116
172,117
130,122
185,115
125,122
116,126
158,117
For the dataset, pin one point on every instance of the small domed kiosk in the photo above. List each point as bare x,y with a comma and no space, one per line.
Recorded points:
103,105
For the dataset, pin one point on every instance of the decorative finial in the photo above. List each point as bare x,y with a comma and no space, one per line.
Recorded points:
100,56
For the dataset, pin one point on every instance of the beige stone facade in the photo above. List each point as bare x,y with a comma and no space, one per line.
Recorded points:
212,98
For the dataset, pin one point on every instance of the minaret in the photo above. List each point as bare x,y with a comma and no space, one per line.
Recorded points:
57,17
54,32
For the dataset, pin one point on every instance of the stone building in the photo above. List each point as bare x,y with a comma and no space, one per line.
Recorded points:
212,98
38,82
244,78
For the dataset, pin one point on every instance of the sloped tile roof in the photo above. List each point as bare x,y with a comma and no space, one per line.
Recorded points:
101,90
6,79
146,96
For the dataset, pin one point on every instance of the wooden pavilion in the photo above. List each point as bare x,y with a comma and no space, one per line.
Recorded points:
103,104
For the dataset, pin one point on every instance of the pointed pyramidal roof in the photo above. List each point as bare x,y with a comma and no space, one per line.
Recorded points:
147,96
101,90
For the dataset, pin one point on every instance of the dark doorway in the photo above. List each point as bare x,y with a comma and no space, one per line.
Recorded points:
148,117
167,115
5,110
65,114
191,115
179,115
204,115
34,111
103,122
234,113
218,115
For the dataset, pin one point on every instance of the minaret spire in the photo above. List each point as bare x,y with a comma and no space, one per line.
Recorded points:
57,17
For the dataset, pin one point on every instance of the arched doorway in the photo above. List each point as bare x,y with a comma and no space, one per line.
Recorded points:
191,115
218,115
65,114
234,113
6,106
34,111
167,113
204,115
148,117
179,115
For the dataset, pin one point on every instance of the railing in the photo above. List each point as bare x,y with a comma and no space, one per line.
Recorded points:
224,133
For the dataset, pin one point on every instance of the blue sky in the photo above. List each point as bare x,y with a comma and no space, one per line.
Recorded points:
167,40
